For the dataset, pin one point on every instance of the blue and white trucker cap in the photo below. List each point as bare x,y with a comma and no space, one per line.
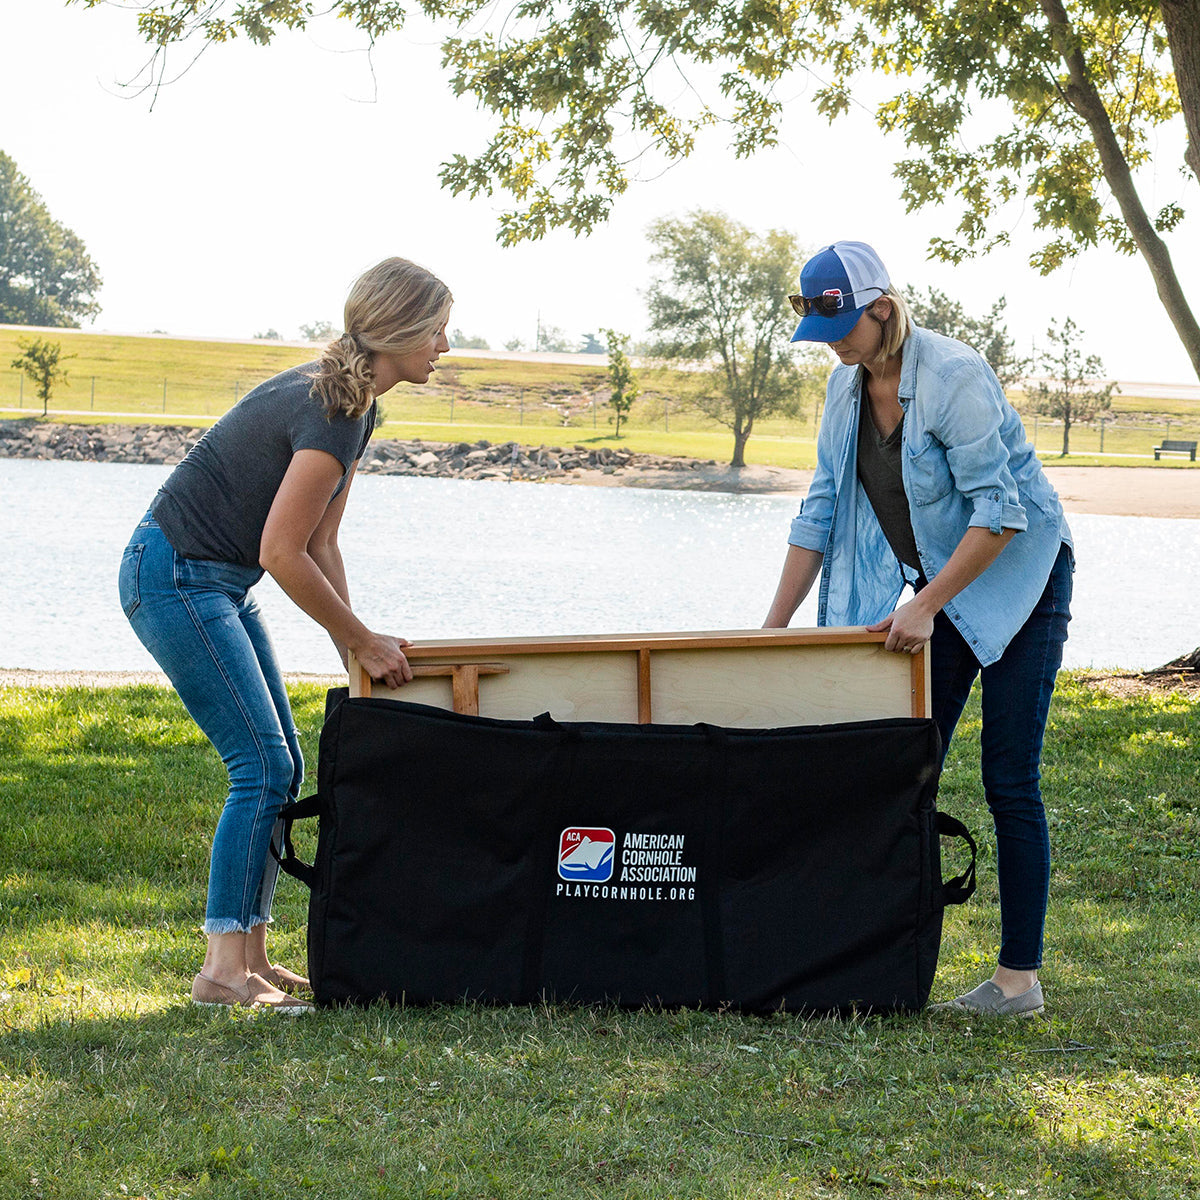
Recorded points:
853,274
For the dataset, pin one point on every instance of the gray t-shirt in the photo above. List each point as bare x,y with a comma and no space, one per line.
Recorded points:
215,503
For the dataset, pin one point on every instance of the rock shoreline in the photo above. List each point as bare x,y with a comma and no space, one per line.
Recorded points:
167,444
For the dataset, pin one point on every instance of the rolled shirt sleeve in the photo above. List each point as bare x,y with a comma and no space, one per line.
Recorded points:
970,424
811,527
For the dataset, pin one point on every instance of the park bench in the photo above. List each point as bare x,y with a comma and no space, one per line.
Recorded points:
1176,447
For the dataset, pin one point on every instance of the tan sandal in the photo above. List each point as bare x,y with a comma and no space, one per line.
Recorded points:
286,981
256,992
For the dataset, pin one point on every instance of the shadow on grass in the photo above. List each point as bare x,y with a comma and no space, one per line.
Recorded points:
115,783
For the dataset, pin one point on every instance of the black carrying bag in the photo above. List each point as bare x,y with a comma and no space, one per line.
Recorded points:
461,857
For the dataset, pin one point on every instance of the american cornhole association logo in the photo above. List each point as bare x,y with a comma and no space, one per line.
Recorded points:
586,854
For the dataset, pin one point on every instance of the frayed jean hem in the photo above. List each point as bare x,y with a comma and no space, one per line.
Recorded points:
216,926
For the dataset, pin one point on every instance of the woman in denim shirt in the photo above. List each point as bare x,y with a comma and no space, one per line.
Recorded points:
924,476
265,490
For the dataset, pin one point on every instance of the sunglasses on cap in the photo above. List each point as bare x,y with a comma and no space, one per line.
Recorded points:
828,304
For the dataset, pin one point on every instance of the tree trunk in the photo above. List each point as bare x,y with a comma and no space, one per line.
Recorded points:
741,435
1182,19
1185,662
1086,101
1066,431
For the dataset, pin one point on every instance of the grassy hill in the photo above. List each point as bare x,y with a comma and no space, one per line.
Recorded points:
191,381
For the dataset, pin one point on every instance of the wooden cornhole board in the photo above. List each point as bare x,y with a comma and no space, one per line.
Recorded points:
742,679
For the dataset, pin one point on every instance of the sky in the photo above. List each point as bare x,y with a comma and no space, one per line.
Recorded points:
261,182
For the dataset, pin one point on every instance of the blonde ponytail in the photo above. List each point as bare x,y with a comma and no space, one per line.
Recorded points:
343,379
392,308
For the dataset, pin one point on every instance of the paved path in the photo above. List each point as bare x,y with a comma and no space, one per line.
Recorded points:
1115,491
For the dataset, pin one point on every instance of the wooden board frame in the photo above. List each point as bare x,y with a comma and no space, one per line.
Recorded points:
747,678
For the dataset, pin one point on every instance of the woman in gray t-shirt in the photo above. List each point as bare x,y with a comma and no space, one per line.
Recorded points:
265,489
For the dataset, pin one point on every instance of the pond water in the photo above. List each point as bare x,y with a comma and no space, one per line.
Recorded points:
431,558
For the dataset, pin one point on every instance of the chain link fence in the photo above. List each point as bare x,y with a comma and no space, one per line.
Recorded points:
96,396
82,394
445,401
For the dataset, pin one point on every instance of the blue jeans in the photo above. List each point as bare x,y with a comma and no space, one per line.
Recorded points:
199,621
1016,701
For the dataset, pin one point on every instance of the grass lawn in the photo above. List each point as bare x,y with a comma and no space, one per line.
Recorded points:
112,1086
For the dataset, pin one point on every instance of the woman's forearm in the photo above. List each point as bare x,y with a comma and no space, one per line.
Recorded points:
977,550
328,558
299,548
800,570
307,584
911,625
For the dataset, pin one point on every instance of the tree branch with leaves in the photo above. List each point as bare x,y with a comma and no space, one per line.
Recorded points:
581,92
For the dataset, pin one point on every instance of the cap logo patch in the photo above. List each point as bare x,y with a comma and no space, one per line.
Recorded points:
834,292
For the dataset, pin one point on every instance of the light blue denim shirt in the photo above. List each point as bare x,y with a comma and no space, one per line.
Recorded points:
965,462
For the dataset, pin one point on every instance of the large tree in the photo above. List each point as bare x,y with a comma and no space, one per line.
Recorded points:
46,275
721,307
578,88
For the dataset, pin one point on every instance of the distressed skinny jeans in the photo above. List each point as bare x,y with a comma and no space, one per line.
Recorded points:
199,621
1016,691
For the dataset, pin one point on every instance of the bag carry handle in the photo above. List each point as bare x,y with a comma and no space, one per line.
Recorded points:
299,810
959,889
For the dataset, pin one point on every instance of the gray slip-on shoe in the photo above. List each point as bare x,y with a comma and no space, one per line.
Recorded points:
987,1000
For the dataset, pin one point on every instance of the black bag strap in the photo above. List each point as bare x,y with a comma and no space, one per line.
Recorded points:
710,891
959,889
543,860
310,806
298,810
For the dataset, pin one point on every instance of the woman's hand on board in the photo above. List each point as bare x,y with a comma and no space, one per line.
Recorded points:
383,659
908,629
911,626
